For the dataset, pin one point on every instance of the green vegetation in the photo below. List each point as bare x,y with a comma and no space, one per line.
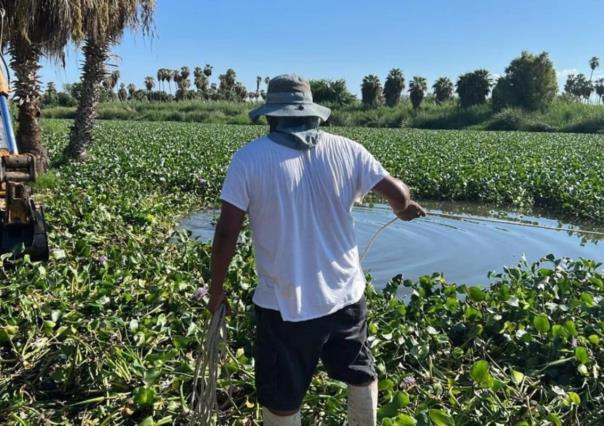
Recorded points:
473,88
417,91
107,331
371,91
529,83
561,116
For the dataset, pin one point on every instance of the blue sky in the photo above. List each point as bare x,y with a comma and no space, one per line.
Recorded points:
350,39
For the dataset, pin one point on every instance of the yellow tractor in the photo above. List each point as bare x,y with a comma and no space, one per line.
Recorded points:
22,226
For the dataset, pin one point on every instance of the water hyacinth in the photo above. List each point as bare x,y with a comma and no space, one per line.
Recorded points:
116,345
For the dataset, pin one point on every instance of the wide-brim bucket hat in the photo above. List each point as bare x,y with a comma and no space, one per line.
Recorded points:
289,95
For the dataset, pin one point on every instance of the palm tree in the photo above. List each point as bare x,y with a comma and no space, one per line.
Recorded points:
594,63
266,80
162,75
200,81
258,82
370,90
443,89
183,82
207,70
31,29
227,89
114,78
169,76
473,87
131,90
149,84
122,94
103,22
417,91
394,85
599,86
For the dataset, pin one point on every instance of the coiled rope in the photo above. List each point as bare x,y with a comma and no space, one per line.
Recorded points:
203,397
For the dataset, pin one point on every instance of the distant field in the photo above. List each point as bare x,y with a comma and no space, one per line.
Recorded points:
562,116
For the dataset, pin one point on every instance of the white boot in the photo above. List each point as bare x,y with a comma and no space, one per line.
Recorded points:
362,404
271,419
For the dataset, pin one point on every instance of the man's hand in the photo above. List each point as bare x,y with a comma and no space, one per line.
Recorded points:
215,301
412,211
399,198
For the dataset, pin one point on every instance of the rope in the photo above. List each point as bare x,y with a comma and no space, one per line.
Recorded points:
203,398
375,235
512,222
480,219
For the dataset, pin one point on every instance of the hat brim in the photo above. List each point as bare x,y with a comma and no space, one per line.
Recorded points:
291,110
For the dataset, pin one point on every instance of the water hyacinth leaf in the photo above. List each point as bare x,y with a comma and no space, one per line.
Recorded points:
8,332
440,418
582,354
517,377
431,330
594,339
144,397
555,419
480,372
541,323
472,314
571,328
513,301
560,331
587,299
401,400
405,420
148,421
582,369
476,294
574,398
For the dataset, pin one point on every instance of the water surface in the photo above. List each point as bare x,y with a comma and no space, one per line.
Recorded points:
464,250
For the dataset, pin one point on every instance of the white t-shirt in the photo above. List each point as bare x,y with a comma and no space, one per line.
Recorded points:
299,205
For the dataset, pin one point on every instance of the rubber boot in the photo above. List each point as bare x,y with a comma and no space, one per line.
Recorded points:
362,404
271,419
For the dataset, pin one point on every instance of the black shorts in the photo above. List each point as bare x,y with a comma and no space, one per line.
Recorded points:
286,353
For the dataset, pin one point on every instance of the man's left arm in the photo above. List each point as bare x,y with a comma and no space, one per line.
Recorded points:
223,249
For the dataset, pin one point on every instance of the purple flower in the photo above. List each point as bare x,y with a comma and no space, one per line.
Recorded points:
409,381
102,260
200,293
573,342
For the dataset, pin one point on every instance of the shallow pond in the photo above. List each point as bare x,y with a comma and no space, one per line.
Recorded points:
464,250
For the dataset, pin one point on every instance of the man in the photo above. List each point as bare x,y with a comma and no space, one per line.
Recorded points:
298,184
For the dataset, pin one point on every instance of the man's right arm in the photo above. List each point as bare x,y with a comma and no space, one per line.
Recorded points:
399,197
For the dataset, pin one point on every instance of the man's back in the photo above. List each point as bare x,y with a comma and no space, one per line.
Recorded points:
299,204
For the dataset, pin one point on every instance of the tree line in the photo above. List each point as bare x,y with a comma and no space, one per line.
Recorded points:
228,88
529,82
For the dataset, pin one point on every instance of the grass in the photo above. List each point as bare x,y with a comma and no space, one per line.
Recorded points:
562,116
106,332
